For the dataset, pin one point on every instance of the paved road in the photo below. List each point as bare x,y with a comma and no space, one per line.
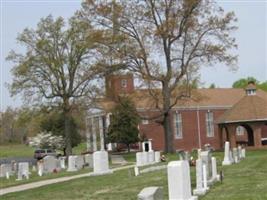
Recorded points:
18,159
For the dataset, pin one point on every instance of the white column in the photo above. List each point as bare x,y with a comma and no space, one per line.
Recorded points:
107,125
94,135
89,134
101,134
150,145
179,183
226,160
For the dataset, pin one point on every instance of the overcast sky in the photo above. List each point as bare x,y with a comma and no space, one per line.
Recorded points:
251,38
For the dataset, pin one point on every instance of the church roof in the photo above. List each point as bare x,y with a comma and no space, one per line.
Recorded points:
249,108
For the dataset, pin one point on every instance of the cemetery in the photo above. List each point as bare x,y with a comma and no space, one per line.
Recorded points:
176,178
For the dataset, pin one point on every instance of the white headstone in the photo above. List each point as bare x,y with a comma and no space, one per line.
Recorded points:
205,180
4,168
227,160
199,154
7,175
235,155
62,161
40,168
23,170
145,158
136,171
101,163
50,164
157,156
88,158
151,193
72,164
243,153
139,159
231,156
179,183
200,190
79,162
239,149
206,160
215,176
151,157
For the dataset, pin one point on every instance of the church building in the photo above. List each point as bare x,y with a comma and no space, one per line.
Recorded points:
211,116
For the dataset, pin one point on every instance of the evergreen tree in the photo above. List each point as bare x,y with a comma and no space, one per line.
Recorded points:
124,122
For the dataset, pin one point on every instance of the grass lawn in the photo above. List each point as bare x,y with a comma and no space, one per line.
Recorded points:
16,150
246,180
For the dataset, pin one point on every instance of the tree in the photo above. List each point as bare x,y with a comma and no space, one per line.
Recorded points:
212,86
243,82
165,42
124,124
46,140
54,123
58,66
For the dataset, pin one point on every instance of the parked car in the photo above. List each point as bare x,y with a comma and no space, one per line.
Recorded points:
41,153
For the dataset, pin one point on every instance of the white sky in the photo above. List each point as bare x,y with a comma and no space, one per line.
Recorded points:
15,15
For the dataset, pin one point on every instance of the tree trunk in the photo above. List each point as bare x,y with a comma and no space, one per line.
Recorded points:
167,119
67,128
168,133
128,148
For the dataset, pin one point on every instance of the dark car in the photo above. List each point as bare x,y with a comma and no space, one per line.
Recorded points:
41,153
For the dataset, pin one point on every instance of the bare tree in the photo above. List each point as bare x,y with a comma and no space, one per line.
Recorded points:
59,66
165,42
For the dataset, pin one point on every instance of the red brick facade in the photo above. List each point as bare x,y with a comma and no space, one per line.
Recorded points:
194,127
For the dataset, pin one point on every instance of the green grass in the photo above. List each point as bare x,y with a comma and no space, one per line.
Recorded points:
4,183
246,180
16,150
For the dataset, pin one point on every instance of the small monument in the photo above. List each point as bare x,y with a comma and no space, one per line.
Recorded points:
179,183
227,159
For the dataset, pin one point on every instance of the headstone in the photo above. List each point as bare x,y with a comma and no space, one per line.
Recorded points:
139,159
179,183
215,176
50,164
101,164
145,158
199,154
62,161
226,160
4,168
7,175
206,160
34,168
23,170
72,164
200,190
151,193
88,158
205,178
157,156
181,155
239,149
136,171
151,157
79,162
40,167
231,156
235,155
243,153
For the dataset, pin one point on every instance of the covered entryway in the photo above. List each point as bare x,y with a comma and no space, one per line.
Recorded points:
251,113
